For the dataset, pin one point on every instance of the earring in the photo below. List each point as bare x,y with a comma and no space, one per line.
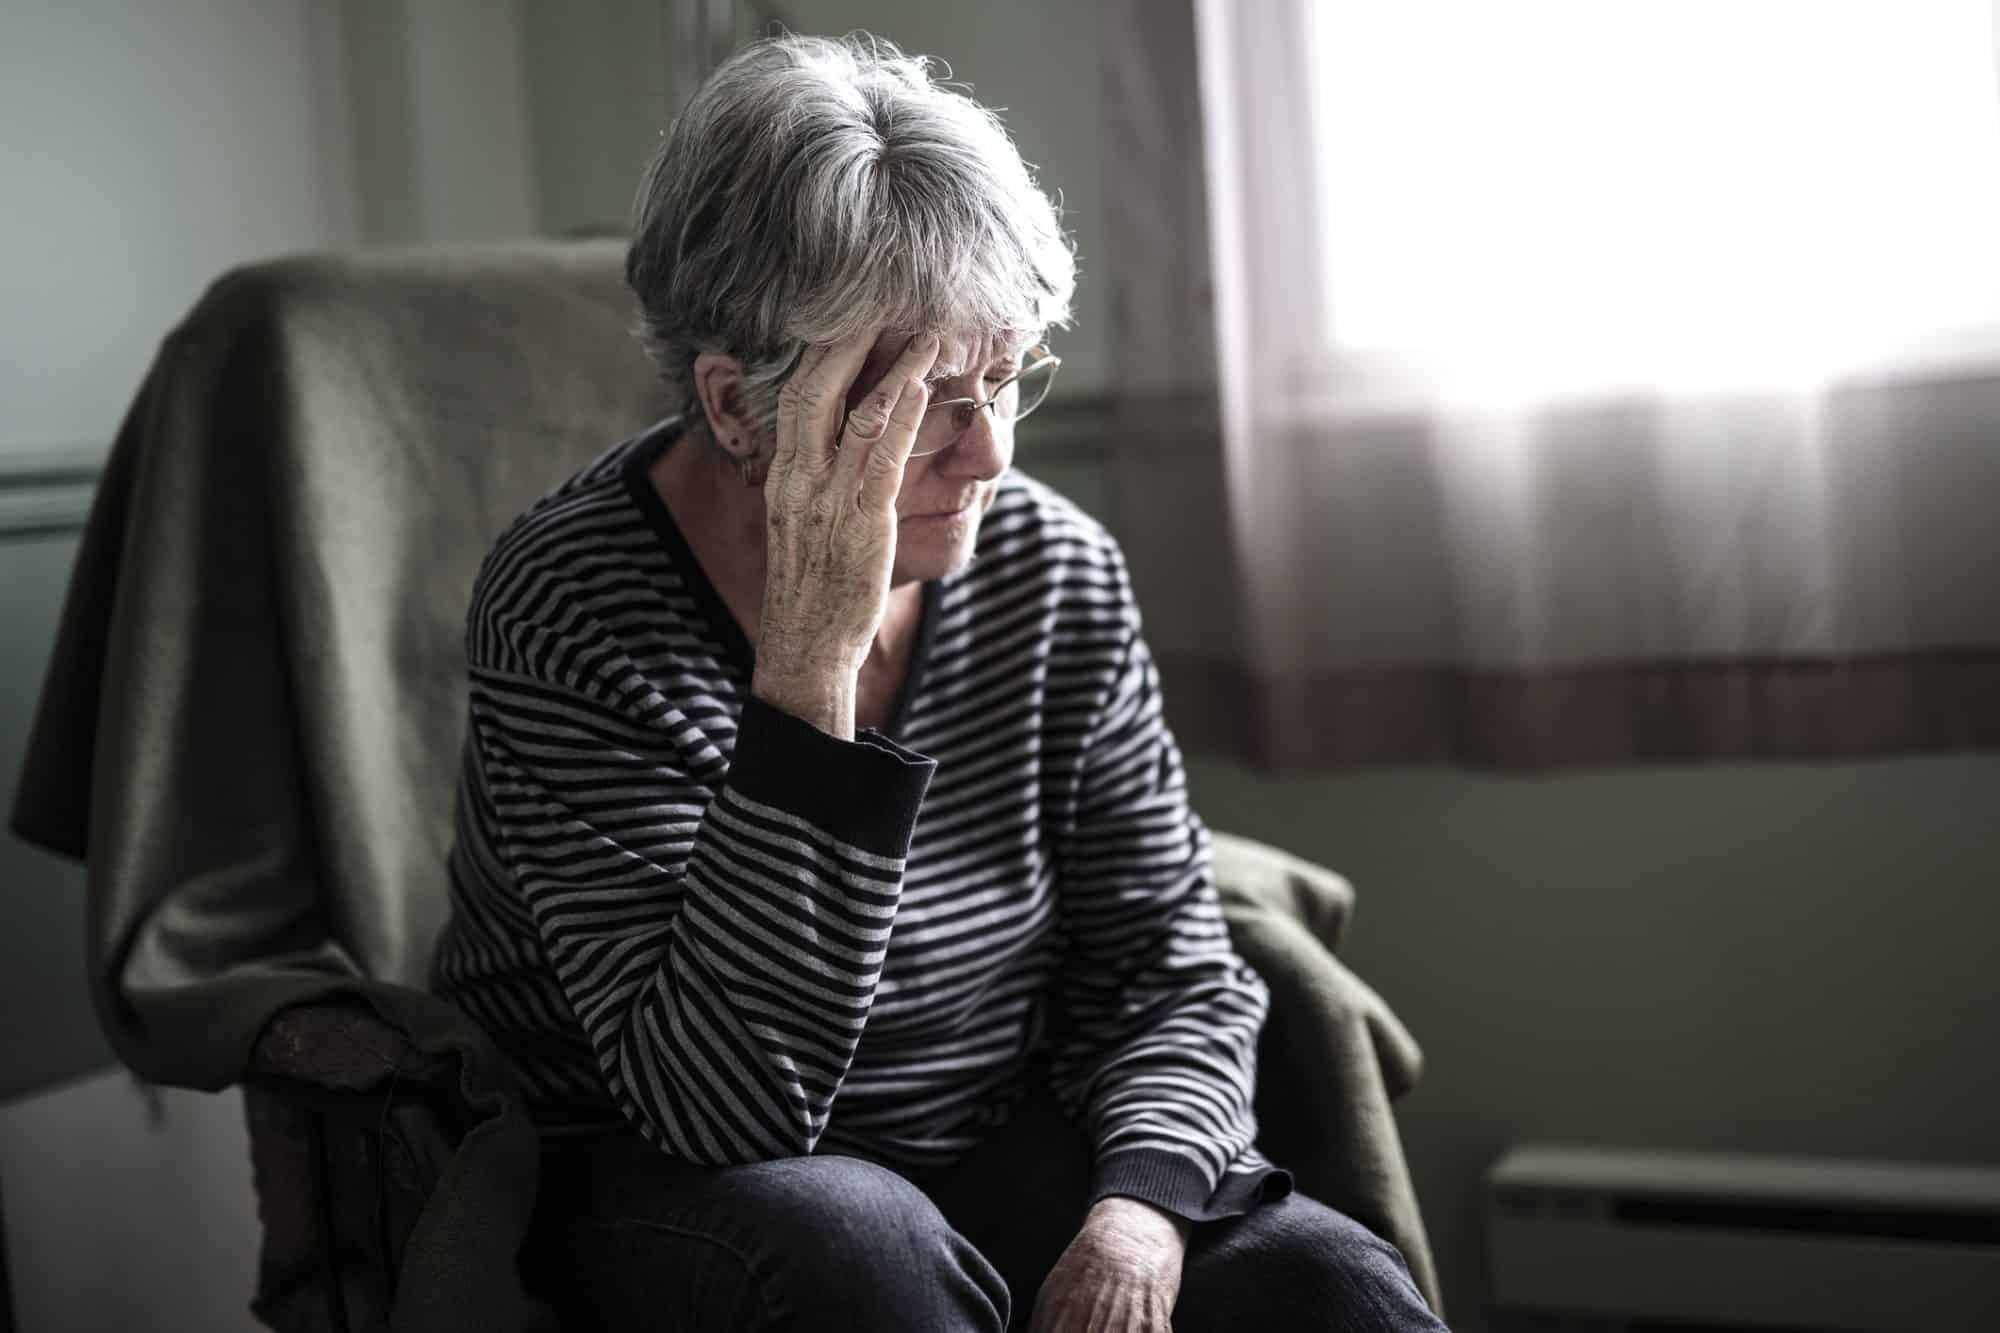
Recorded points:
753,471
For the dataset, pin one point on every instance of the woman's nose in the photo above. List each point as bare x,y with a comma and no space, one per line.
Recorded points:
981,449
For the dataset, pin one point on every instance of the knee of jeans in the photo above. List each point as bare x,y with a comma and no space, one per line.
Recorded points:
834,1200
1305,1247
863,1230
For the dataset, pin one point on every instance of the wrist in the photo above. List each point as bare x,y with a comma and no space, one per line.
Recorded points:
824,699
1137,1217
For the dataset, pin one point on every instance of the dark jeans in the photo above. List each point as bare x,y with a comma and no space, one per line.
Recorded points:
629,1239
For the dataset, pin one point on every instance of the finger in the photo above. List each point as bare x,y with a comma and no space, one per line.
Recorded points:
866,420
884,426
1048,1313
822,394
882,467
918,353
1107,1313
1057,1316
789,399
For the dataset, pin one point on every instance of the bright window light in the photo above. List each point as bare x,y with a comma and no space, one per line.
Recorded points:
1558,194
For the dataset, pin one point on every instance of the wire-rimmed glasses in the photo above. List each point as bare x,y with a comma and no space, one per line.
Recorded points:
1022,392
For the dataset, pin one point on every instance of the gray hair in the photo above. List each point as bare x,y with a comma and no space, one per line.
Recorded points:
814,187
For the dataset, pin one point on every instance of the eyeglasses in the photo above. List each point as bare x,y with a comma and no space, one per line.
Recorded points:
1024,391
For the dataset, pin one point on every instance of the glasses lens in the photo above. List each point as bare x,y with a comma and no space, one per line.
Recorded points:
1022,395
1025,394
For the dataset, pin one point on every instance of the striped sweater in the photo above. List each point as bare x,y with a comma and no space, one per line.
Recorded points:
678,908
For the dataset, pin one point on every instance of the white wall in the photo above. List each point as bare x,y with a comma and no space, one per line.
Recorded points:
119,1208
144,148
599,93
128,1209
440,132
47,1027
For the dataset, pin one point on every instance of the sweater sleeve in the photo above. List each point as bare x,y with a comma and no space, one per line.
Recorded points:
717,928
1156,1051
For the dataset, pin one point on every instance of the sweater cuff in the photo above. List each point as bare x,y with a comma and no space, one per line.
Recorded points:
1175,1183
866,792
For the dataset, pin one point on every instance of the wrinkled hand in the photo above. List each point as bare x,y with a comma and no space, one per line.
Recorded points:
1122,1273
830,538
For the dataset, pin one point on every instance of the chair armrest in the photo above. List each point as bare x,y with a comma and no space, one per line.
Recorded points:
1279,907
339,1045
1255,875
1332,1054
351,1128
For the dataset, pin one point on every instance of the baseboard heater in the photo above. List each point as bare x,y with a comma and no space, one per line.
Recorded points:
1605,1239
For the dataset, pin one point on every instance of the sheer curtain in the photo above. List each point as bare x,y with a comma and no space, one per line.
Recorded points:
1559,383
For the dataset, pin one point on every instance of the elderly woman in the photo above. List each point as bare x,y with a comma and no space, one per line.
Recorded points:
823,864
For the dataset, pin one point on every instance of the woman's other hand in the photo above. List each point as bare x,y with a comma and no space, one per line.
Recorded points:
1122,1273
830,503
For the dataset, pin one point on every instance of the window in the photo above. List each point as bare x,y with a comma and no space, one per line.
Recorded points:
1554,195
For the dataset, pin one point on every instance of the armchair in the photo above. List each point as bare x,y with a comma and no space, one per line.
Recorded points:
250,729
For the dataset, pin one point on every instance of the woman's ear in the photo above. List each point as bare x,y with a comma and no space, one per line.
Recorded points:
718,385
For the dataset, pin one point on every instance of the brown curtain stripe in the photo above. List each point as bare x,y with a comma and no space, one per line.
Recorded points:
1617,713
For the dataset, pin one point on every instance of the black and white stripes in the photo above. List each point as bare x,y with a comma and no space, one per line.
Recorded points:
677,907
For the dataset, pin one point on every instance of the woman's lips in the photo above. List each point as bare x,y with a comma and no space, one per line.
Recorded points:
966,508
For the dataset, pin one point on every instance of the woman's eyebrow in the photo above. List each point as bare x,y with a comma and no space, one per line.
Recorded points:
1009,357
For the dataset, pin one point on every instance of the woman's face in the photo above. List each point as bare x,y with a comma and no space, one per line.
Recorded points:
945,494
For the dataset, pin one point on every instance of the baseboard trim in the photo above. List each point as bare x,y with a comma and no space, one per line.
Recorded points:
48,490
